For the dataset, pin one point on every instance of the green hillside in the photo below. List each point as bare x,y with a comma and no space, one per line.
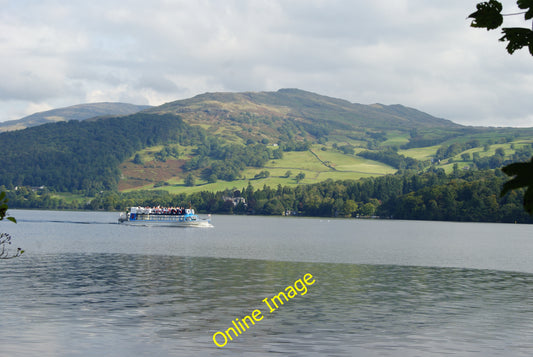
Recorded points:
218,141
335,131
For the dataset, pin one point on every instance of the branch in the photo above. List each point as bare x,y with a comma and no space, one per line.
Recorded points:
5,239
516,13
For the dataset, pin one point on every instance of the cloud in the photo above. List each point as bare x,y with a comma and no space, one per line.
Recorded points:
417,53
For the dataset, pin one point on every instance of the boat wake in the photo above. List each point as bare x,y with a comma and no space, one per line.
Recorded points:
63,221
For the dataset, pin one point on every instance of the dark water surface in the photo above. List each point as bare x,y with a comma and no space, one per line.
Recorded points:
90,287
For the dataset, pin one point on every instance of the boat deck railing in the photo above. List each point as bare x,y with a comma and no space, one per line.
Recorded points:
162,217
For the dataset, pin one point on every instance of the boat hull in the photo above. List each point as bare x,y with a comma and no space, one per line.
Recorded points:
194,224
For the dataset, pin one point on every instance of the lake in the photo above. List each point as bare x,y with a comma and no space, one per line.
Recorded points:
88,286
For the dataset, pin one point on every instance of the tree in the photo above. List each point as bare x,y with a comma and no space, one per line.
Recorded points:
489,16
367,209
212,178
262,174
349,208
138,160
190,180
300,177
5,238
273,207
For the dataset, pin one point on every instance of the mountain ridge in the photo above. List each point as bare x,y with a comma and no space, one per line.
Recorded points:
74,112
303,105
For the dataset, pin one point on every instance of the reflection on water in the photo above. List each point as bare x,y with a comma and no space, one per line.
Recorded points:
122,305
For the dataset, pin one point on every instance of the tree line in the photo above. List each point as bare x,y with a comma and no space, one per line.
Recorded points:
434,195
391,157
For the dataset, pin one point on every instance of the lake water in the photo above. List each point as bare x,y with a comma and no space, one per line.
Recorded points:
87,286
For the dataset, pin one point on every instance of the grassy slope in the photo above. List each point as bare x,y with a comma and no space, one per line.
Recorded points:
314,167
317,165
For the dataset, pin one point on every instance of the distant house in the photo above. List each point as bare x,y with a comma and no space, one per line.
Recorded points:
33,188
234,200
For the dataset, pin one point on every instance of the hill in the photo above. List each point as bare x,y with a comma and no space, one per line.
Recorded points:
218,141
75,112
300,105
274,115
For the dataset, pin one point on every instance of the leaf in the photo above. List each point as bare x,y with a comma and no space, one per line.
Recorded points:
510,185
518,168
518,37
526,4
488,15
523,177
12,219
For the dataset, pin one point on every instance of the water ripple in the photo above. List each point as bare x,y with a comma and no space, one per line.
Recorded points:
117,304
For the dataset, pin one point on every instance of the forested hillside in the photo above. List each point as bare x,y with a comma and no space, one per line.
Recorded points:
74,156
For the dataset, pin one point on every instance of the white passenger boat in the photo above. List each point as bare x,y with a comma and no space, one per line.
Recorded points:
141,216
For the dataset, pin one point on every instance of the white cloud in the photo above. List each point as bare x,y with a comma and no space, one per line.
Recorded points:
417,53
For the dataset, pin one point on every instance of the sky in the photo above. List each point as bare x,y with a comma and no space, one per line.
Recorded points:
418,53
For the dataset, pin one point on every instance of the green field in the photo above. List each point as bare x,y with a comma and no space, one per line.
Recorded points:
322,162
323,165
395,138
425,153
353,164
70,197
